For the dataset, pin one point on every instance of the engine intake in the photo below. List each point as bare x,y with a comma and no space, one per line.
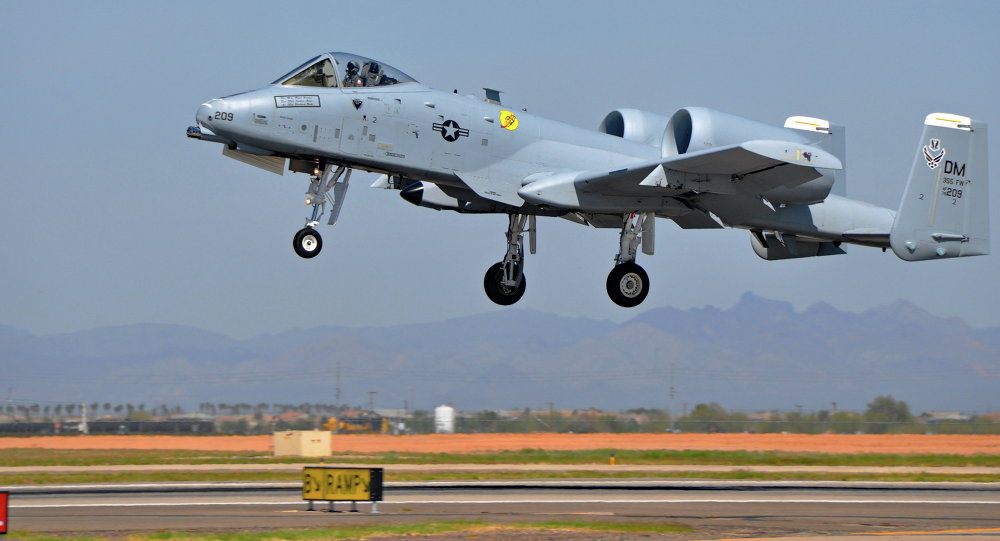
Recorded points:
635,125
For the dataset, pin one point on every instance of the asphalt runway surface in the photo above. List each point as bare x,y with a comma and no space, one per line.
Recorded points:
714,509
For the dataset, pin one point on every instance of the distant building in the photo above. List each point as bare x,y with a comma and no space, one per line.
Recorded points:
944,416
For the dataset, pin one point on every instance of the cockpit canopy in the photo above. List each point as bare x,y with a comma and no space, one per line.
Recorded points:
345,70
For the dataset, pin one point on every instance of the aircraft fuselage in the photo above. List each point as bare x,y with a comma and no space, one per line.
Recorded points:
701,168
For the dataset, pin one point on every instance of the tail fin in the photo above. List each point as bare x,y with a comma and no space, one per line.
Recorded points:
945,207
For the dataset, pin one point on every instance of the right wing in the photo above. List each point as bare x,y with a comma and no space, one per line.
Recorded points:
727,181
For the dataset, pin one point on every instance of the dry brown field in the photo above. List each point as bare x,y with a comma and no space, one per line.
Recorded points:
466,443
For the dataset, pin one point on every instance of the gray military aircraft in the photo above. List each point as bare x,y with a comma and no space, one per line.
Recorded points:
701,168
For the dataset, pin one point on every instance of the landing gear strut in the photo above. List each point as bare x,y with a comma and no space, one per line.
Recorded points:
504,281
628,283
325,185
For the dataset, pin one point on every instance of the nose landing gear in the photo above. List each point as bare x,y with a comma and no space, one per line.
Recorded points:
325,185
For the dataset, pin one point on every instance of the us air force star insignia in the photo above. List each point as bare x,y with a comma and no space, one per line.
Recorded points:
933,153
450,130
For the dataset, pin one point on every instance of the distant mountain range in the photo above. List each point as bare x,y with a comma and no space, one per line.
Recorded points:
758,355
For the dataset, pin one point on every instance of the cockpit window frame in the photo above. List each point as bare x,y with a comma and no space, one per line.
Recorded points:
323,77
297,70
370,73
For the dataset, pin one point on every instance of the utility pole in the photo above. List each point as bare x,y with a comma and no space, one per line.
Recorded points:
336,390
670,406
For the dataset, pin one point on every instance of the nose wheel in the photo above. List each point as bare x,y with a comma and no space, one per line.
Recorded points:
326,185
628,285
307,243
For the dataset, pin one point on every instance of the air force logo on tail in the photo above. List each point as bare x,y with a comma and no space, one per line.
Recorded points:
933,153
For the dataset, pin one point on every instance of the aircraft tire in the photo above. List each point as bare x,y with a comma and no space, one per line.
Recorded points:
307,243
628,285
499,293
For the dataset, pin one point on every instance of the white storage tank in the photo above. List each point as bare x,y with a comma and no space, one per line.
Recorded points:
444,420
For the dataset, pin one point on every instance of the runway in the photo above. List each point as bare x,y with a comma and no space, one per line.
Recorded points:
714,509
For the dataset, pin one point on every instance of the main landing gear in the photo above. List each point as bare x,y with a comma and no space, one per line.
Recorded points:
325,185
504,281
628,283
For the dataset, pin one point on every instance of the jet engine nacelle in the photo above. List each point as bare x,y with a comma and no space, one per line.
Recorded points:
635,125
768,246
698,128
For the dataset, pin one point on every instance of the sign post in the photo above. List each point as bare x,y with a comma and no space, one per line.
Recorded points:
342,485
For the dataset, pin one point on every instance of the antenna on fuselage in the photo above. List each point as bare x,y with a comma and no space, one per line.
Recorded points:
492,96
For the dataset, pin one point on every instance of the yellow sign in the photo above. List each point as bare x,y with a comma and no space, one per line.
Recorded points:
342,484
508,120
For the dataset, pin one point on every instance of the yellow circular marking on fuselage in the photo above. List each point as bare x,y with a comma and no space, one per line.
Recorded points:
508,120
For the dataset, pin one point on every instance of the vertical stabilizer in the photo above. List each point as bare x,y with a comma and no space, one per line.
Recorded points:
945,207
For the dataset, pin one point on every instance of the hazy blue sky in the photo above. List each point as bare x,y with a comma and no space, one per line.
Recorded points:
109,215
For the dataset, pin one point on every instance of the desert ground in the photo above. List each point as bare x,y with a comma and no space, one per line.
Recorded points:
466,443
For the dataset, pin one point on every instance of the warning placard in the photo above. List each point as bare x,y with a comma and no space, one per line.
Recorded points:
342,484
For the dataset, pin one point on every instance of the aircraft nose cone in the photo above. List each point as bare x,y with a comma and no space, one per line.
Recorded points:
414,193
204,114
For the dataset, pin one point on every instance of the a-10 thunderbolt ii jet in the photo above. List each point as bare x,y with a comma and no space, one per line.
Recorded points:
699,167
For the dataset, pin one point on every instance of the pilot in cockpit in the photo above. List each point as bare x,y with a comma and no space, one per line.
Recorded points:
353,78
372,74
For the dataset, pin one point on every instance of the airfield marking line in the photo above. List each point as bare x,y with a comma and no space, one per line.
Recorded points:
507,502
885,534
931,532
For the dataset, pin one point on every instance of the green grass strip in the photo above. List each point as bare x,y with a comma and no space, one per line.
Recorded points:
368,531
95,457
21,479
